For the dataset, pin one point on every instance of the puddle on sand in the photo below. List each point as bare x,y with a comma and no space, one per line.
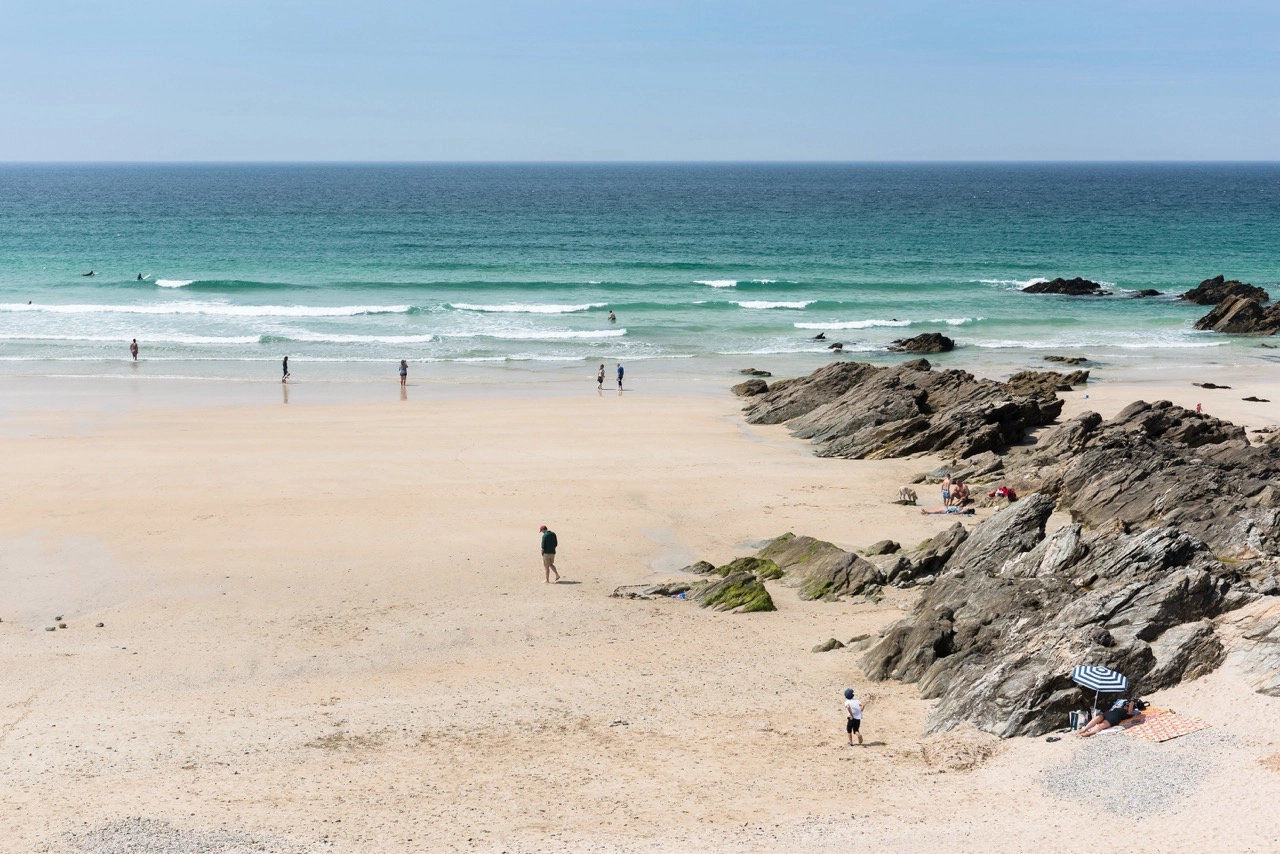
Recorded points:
45,575
674,555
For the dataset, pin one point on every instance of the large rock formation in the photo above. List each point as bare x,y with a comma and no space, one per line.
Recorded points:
857,410
1157,464
1215,290
1241,315
994,639
928,342
1076,287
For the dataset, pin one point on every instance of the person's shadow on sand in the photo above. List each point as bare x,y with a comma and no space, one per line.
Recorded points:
565,581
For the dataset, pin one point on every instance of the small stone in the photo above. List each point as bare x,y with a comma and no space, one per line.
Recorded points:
828,646
98,625
50,628
59,617
62,625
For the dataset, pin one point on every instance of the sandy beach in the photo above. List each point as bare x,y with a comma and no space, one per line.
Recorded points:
325,629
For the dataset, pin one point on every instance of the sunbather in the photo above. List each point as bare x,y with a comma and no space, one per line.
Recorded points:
967,511
1121,710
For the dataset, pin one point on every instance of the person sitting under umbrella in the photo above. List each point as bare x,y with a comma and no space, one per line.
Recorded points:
1121,710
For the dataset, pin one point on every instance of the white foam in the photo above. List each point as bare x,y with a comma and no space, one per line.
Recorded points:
541,335
174,283
765,304
717,283
957,321
333,338
1019,284
852,324
780,351
218,309
163,338
528,309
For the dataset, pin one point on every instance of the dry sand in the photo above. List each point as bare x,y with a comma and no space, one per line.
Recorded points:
326,630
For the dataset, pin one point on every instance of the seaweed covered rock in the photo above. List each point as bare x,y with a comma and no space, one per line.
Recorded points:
856,410
821,570
739,591
1076,287
1215,290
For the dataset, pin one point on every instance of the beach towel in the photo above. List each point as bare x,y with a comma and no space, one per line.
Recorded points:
1163,725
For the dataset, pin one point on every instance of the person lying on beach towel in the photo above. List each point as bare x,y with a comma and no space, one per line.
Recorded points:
1121,710
967,511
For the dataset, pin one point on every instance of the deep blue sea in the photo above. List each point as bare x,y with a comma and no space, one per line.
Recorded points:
350,268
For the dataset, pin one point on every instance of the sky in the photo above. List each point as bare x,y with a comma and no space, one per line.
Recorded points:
584,80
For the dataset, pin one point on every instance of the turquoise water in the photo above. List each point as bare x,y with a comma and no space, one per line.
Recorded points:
348,268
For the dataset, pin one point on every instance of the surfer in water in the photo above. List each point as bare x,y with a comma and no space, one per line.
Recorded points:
613,318
90,273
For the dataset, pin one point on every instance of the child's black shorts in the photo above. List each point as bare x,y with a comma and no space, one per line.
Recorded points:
852,725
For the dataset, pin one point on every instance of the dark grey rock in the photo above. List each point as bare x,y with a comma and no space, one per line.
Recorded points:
1215,290
754,372
1241,315
827,646
857,410
1070,287
750,388
929,342
884,547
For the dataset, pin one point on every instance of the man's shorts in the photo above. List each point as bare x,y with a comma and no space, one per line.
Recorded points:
548,560
852,725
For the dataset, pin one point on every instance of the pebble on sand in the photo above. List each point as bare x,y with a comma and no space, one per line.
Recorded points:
98,625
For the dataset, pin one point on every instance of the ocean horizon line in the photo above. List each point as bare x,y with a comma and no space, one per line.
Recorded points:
659,162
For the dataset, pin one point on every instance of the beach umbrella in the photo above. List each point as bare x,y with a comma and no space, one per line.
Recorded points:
1100,679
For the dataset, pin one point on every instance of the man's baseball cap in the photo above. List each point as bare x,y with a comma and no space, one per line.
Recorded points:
848,693
542,527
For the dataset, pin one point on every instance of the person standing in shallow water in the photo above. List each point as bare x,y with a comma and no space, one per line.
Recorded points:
404,372
133,349
284,368
600,378
620,372
549,544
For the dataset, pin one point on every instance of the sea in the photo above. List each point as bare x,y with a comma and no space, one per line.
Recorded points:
708,269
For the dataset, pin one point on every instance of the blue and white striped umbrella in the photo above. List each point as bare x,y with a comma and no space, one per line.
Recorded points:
1100,679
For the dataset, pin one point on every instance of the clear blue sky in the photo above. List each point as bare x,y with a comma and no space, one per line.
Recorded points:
640,80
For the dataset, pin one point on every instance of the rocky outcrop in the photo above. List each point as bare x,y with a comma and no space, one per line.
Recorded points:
1067,360
928,342
1215,290
1158,464
1044,383
995,637
755,372
857,410
1241,315
1076,287
1146,292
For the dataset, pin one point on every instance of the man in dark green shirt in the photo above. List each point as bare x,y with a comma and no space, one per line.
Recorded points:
549,544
